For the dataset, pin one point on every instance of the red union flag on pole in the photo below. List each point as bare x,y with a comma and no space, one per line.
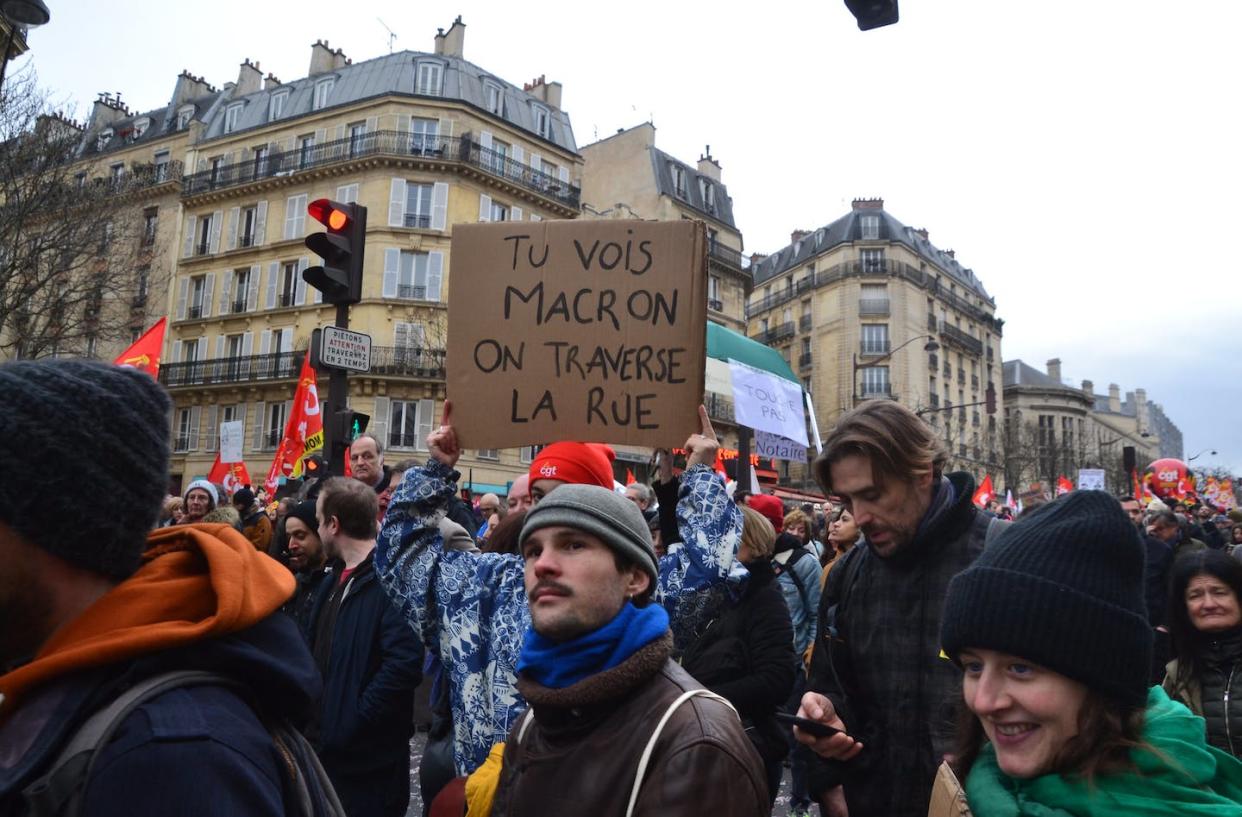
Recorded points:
1064,486
232,475
985,493
145,352
303,433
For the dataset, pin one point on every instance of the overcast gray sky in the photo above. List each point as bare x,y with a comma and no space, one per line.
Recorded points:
1081,157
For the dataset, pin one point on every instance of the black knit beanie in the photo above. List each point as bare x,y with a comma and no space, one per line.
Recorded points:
83,459
1061,587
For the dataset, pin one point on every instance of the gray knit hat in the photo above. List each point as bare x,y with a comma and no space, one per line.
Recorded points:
601,512
85,453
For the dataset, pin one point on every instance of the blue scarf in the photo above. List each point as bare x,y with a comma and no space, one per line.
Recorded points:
561,664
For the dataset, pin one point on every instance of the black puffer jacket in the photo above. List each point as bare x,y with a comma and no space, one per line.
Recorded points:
746,655
1214,690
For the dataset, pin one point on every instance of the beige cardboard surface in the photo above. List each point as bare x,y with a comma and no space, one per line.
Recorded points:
577,330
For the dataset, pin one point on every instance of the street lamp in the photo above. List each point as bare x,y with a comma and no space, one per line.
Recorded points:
931,346
1200,454
27,13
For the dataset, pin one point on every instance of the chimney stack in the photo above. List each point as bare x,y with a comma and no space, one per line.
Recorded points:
270,81
107,109
1054,369
708,166
190,87
249,79
868,204
322,60
1088,388
453,42
1114,398
922,233
798,235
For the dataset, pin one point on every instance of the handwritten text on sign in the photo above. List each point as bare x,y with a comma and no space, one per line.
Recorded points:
765,402
588,330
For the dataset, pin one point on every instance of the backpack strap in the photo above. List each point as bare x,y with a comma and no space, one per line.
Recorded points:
787,569
646,756
60,789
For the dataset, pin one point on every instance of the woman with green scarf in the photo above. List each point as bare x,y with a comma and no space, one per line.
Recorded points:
1049,627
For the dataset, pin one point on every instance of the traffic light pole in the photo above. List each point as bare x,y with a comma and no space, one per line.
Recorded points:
335,437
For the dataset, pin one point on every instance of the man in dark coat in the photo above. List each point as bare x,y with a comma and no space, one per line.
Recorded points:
90,605
877,673
370,659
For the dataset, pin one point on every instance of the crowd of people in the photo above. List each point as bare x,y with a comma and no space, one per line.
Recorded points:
592,648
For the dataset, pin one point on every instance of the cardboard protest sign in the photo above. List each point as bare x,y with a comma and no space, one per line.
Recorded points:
576,330
1091,479
231,436
765,402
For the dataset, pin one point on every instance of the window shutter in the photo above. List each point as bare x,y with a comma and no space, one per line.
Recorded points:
372,124
252,294
347,193
426,415
260,409
196,416
265,342
515,214
260,224
299,213
300,298
563,172
485,207
176,352
401,335
248,344
519,155
403,127
435,275
217,221
536,162
291,210
340,133
379,420
273,278
209,287
219,347
213,427
182,292
190,224
439,205
202,349
396,203
485,140
392,268
234,217
444,127
226,294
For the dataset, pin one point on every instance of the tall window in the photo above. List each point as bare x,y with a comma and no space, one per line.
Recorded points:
495,97
357,130
241,288
306,146
184,428
872,260
322,89
261,154
679,180
429,77
198,292
276,107
161,166
274,425
249,218
412,279
231,115
708,191
500,212
150,223
410,341
543,121
870,227
500,156
875,338
409,423
184,115
424,135
203,246
418,205
875,381
288,283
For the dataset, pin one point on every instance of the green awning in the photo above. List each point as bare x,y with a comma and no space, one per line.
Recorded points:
723,344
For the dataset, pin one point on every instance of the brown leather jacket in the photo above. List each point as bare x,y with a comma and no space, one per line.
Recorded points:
580,753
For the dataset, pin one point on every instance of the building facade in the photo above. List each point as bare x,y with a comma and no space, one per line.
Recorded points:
1053,429
424,141
626,176
868,308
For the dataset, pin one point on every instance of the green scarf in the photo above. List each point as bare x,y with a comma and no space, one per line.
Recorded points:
1190,779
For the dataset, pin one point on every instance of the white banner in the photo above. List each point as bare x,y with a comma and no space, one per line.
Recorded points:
1091,479
231,435
765,402
777,447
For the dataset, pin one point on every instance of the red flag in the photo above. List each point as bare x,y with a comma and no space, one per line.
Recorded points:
145,352
232,475
629,477
1064,486
303,431
985,492
719,465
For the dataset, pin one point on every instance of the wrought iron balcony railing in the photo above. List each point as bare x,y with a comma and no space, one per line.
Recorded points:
462,150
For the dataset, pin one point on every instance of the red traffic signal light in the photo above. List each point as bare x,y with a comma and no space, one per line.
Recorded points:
342,249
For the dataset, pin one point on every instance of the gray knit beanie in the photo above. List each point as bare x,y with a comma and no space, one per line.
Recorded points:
1061,587
84,447
601,512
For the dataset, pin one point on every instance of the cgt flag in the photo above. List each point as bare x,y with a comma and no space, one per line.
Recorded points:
303,433
985,493
1064,486
145,352
232,475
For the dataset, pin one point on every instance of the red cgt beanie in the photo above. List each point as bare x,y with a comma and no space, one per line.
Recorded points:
771,507
575,463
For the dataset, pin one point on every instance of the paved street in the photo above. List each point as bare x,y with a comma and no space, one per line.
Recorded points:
416,802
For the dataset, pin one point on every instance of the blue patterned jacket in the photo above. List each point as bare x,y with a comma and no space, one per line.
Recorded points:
471,608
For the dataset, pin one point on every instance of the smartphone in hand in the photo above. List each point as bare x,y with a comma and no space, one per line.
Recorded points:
819,730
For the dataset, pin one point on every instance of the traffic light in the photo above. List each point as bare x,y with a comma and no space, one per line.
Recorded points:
342,248
873,13
314,466
349,425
